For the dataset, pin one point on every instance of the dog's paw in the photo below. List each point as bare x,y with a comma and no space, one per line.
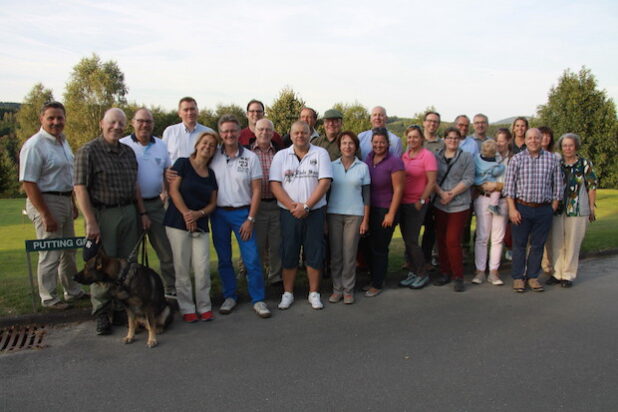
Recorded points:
127,339
152,343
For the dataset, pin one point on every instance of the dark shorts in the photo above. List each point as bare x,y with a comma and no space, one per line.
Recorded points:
307,232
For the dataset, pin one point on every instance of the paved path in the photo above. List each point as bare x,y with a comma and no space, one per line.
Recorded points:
485,349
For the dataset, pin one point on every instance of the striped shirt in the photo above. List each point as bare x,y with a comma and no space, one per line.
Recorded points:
534,179
266,158
108,171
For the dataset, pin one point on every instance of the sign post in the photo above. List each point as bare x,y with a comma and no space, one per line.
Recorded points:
43,245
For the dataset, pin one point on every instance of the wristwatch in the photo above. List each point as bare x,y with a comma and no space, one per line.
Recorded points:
306,207
251,219
422,201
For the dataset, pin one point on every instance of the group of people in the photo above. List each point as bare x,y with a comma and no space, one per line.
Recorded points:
332,200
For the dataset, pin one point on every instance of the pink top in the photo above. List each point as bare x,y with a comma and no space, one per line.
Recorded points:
416,174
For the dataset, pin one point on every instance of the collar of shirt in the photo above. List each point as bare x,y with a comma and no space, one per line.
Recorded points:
109,147
255,147
150,141
49,136
354,163
238,153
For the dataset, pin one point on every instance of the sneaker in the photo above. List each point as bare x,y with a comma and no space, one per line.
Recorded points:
189,317
104,326
262,310
335,297
408,281
494,279
286,300
478,278
459,285
59,306
420,282
314,300
373,292
508,255
171,294
535,285
207,316
228,305
348,299
494,210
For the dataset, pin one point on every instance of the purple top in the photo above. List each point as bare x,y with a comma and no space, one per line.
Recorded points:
381,181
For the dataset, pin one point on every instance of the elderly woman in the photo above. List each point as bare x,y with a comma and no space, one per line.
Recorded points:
577,209
387,182
491,226
194,197
420,169
452,206
347,216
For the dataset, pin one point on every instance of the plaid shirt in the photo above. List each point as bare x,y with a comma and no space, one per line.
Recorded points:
266,158
109,172
534,179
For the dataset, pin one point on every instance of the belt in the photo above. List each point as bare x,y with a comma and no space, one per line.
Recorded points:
67,194
149,199
532,204
234,208
104,206
271,199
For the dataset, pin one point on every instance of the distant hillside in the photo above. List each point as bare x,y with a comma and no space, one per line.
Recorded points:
10,106
508,120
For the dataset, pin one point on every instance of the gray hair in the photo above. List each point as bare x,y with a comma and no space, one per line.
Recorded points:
576,139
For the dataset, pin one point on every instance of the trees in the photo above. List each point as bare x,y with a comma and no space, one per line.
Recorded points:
94,87
355,116
27,117
576,105
285,109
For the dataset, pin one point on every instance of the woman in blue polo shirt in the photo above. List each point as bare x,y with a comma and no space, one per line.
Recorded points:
194,197
347,216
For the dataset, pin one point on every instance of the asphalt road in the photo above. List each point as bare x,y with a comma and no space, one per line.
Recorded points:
485,349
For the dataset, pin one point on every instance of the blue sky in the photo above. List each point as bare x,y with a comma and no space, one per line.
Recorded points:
496,57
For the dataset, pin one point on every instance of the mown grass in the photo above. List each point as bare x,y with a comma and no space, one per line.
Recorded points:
15,297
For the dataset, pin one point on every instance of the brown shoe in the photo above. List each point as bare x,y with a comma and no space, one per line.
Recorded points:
535,285
519,286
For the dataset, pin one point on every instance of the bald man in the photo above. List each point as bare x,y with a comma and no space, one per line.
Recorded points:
107,193
379,118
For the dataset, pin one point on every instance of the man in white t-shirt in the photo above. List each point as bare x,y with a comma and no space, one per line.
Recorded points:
300,176
180,138
153,159
239,177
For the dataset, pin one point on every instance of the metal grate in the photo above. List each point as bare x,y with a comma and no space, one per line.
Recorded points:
16,338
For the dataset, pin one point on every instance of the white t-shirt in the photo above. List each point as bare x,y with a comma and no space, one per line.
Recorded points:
152,160
300,178
180,141
234,176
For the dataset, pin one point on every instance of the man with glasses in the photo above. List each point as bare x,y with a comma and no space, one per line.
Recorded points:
333,122
153,159
431,123
255,112
480,125
378,119
467,143
180,138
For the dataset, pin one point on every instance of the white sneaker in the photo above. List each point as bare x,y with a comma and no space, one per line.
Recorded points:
262,310
286,300
478,278
314,300
495,280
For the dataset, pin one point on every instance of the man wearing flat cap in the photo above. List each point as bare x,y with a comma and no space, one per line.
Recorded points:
333,121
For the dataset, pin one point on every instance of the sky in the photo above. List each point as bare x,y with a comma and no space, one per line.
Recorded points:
496,57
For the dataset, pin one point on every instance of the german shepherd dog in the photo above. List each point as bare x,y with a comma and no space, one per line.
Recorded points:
137,287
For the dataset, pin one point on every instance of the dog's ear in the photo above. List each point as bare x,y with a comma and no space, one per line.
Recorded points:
110,266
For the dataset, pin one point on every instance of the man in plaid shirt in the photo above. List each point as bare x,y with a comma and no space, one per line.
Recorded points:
533,187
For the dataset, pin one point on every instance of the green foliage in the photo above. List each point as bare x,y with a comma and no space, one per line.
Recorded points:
94,87
8,123
27,117
576,105
234,109
9,177
285,110
355,116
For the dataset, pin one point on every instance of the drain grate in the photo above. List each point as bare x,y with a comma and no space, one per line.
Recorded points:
16,338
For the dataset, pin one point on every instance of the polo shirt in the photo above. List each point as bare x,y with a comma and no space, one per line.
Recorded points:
434,146
468,144
234,176
331,147
381,180
47,162
346,190
152,160
395,146
300,178
416,174
180,141
247,137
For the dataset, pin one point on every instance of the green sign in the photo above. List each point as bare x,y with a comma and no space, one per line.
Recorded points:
55,244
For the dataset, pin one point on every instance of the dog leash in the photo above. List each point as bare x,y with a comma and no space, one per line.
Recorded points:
131,260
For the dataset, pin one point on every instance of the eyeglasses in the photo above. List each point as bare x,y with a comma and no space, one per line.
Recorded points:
415,126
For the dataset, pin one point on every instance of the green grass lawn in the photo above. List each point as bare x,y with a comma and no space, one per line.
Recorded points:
15,297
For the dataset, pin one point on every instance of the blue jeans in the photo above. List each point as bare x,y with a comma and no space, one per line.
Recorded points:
223,223
535,225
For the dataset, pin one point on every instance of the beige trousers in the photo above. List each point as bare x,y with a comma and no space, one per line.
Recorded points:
567,234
